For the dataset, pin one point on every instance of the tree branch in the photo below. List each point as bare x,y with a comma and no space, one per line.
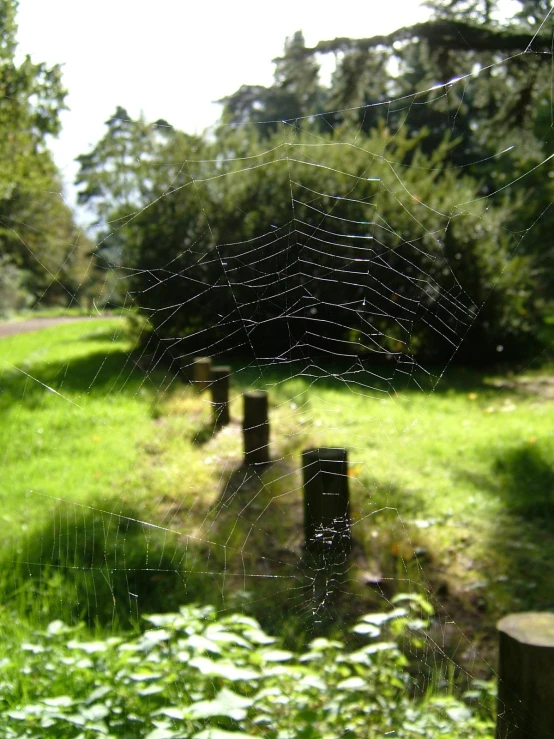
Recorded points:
447,35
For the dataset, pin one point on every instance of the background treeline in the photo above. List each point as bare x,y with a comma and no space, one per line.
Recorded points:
411,215
380,214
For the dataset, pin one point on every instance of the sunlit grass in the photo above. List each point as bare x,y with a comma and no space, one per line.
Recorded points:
73,411
118,499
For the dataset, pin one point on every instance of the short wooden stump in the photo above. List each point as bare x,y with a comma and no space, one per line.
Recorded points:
526,676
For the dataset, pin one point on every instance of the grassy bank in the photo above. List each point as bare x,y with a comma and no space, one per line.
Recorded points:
117,498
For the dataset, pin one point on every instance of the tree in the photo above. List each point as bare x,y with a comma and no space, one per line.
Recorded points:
479,79
295,92
39,242
114,176
533,13
479,11
405,66
132,165
510,113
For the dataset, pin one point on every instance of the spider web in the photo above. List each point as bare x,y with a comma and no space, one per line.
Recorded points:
324,313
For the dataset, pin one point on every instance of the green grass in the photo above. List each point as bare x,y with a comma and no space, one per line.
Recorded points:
50,312
75,414
73,409
64,311
118,500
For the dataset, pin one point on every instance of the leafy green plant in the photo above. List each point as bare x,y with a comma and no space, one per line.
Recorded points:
195,675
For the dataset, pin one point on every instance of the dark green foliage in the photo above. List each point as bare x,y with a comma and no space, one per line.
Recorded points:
329,248
295,94
103,564
40,246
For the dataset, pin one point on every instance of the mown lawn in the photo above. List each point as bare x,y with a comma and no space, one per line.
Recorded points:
117,499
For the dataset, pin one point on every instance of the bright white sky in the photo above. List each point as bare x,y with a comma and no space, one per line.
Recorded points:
173,58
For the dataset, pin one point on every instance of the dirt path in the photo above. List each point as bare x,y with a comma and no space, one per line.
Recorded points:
35,324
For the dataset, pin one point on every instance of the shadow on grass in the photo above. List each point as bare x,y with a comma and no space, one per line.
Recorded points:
118,370
86,563
523,478
104,333
109,566
526,479
378,381
519,570
259,516
205,433
96,374
245,481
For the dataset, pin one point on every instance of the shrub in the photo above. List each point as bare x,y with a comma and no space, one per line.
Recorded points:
194,675
337,246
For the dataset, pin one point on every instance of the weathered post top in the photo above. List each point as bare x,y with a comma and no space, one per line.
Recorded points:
201,373
533,628
220,372
526,676
326,454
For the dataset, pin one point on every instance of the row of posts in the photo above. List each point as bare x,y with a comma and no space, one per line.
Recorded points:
255,424
325,470
526,654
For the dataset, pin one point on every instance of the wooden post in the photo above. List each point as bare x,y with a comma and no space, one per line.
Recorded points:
220,394
526,676
201,373
255,428
326,500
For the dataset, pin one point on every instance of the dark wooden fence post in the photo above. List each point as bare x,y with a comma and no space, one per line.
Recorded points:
526,676
255,427
326,500
220,394
201,373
